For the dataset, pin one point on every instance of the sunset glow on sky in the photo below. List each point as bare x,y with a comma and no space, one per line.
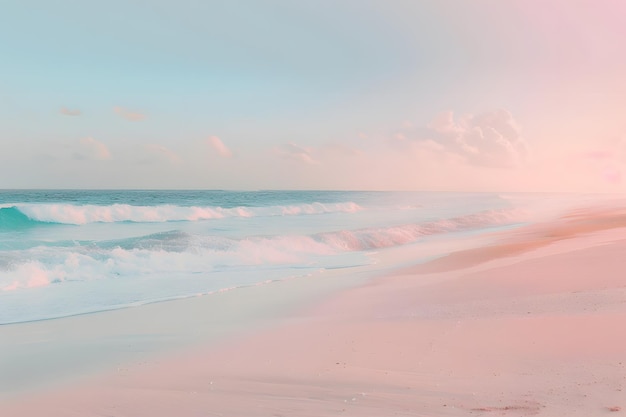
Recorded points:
485,95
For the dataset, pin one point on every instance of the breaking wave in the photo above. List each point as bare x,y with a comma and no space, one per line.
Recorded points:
28,215
182,253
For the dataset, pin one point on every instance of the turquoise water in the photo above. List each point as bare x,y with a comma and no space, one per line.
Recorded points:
70,252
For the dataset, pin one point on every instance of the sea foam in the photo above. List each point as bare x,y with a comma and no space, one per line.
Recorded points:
83,214
183,253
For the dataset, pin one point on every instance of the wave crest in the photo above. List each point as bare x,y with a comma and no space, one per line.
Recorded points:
180,253
27,214
378,238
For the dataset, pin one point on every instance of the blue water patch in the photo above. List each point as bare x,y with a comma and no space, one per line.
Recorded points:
11,218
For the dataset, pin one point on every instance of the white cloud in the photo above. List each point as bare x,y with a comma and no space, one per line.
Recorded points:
93,149
217,144
162,152
296,153
67,112
337,149
490,139
132,116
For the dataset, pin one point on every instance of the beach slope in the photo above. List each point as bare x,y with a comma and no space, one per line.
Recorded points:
533,328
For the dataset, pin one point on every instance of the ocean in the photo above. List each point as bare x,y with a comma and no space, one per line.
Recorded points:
69,252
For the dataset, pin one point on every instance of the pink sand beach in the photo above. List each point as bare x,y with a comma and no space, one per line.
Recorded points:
530,325
291,208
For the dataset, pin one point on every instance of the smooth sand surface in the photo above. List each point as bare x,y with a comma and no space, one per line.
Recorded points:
538,329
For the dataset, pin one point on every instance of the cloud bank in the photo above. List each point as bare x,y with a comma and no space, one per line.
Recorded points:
490,139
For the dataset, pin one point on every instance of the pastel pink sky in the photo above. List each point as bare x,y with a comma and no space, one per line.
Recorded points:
485,95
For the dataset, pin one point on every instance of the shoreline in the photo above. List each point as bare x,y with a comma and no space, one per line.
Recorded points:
457,341
71,349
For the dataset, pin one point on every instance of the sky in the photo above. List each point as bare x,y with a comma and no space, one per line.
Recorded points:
463,95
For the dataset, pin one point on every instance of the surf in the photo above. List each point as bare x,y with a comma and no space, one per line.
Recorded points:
23,215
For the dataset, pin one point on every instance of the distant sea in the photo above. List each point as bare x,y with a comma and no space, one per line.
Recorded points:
67,252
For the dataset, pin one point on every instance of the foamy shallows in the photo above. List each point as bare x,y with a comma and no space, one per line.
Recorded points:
71,252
